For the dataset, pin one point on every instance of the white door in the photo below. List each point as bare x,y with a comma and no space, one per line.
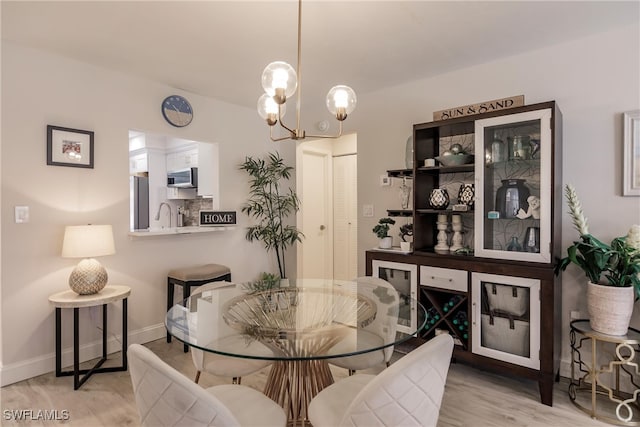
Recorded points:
345,217
315,260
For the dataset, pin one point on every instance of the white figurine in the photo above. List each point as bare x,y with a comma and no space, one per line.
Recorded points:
533,211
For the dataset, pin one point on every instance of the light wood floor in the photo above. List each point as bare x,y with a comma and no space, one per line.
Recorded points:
472,398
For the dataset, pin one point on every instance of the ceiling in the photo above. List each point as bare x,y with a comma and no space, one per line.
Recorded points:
219,48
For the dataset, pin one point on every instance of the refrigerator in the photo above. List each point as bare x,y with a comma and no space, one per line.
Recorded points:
139,200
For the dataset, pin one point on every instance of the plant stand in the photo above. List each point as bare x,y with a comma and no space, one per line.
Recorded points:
594,388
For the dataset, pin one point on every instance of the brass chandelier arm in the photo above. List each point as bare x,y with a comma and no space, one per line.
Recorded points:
282,138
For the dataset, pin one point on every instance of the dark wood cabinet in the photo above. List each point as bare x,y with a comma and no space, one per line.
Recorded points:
499,297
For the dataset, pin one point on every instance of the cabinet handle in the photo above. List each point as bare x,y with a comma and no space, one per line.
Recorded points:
441,278
473,308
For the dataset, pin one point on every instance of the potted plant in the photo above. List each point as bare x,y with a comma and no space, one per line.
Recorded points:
406,230
270,205
382,231
265,282
613,271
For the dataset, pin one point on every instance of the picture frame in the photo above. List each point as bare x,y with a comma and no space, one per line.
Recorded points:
631,154
69,147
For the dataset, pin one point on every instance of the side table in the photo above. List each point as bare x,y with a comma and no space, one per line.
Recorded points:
69,299
617,355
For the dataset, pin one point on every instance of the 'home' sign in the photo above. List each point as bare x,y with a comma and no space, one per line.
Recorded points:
217,217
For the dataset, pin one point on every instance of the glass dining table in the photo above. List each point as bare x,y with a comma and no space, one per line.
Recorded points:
299,327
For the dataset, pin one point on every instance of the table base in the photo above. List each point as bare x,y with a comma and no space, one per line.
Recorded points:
293,383
76,372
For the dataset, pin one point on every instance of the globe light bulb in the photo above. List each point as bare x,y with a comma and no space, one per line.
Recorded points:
341,101
279,81
268,109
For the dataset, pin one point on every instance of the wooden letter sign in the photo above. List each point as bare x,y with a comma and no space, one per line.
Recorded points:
483,107
217,217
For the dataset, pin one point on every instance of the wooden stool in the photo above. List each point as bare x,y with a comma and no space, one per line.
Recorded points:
193,276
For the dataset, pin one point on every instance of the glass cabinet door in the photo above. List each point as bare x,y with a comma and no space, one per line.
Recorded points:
513,186
403,277
505,320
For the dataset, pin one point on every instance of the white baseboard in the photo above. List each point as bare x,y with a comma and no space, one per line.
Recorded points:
30,368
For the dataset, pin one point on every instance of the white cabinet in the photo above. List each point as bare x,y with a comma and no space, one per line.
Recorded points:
138,163
184,158
403,277
208,180
505,318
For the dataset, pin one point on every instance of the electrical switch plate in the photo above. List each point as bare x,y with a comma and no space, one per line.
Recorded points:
22,214
367,210
385,180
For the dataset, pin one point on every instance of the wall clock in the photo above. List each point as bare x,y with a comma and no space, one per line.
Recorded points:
177,111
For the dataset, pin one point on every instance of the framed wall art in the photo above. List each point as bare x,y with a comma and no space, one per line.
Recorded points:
69,147
631,178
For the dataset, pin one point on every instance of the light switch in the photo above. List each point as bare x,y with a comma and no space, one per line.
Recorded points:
367,210
385,180
22,214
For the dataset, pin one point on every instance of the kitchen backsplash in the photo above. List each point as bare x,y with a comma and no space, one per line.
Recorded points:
193,207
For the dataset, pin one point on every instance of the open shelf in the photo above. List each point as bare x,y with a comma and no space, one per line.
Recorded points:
400,173
444,310
399,212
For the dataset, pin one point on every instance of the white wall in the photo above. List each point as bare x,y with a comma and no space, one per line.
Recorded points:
40,89
593,80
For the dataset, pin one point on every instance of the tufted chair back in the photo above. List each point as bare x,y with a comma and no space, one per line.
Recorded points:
165,397
408,393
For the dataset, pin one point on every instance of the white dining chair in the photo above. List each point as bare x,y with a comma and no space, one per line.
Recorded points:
228,338
164,397
381,330
408,393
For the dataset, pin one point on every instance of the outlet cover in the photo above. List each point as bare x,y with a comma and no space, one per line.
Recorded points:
22,214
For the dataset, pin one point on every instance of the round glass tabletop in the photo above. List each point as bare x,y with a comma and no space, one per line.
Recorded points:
309,320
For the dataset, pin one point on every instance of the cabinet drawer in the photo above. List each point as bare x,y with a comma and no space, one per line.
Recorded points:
445,278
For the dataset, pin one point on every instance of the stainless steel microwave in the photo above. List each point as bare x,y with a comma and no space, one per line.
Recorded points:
185,178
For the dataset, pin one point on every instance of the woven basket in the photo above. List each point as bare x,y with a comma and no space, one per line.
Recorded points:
610,308
506,335
510,299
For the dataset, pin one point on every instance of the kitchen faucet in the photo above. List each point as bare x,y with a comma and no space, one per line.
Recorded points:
160,209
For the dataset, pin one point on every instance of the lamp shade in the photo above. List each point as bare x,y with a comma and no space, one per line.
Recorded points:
88,241
268,109
279,80
341,101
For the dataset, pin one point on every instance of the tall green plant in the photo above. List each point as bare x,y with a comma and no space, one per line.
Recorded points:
270,205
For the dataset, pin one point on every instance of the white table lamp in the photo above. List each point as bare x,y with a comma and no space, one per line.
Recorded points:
88,241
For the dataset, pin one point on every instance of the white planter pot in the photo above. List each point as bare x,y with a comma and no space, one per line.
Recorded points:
405,246
610,308
386,242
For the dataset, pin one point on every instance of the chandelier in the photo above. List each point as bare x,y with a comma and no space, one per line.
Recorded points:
280,82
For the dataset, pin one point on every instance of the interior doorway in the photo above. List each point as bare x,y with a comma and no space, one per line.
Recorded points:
326,176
